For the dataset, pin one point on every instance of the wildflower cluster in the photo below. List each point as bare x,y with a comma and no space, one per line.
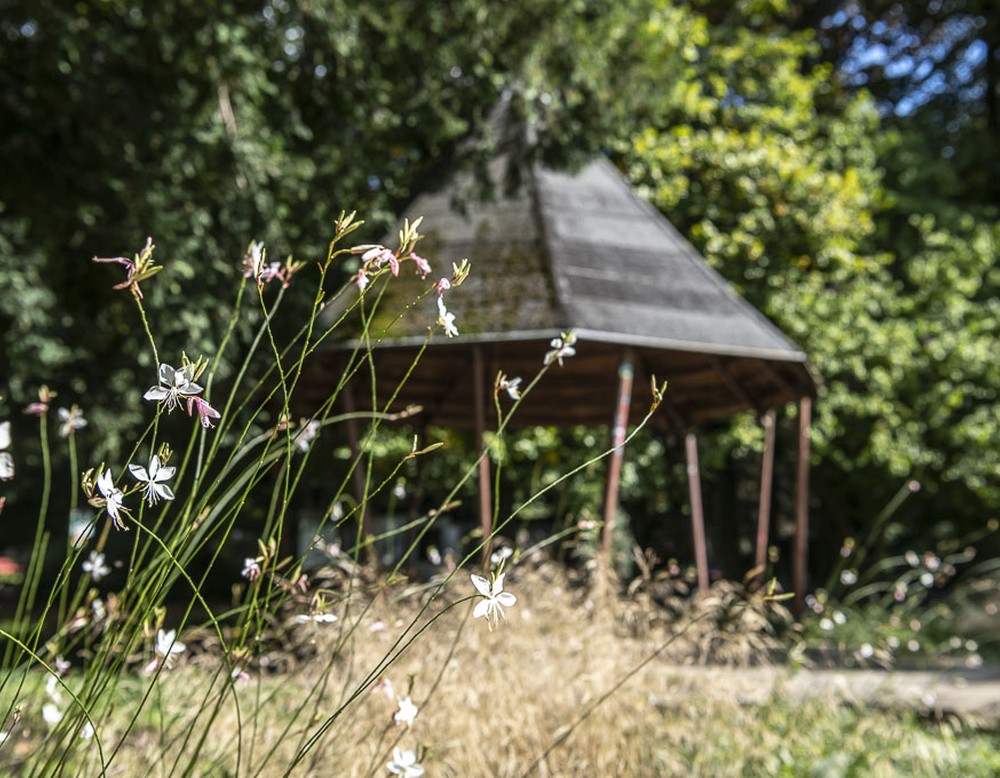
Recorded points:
256,266
138,269
446,319
375,256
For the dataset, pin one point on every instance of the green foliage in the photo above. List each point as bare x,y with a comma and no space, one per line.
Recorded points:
776,176
869,236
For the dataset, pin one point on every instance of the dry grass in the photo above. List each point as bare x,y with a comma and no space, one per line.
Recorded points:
562,689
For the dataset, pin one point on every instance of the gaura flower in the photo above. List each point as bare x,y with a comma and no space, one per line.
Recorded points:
138,270
52,690
251,569
154,487
174,385
377,256
113,497
307,433
95,566
446,319
51,714
561,347
361,280
407,712
40,408
510,385
316,618
404,763
6,460
205,411
166,646
70,421
423,267
495,598
253,261
502,553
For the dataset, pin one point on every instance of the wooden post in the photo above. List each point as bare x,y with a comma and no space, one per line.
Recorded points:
766,480
697,513
619,429
485,491
358,475
800,558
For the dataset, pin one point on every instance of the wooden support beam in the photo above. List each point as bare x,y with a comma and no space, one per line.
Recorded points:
766,481
801,552
697,512
485,492
619,428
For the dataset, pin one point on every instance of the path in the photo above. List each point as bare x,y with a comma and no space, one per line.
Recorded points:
972,694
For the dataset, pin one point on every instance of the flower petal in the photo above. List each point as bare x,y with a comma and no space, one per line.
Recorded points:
506,598
166,374
481,609
498,584
481,584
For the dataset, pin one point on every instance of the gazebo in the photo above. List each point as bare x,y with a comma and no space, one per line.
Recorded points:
580,251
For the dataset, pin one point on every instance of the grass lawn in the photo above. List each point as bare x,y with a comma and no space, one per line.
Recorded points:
555,691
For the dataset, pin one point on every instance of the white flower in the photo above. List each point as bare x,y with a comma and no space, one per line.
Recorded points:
253,262
839,617
825,624
113,497
502,553
848,577
166,646
317,618
306,434
251,569
561,347
404,763
86,731
70,421
52,690
154,488
51,714
495,599
95,566
174,385
6,460
407,712
446,319
512,386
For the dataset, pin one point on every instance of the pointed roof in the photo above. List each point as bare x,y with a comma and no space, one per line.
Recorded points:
576,251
